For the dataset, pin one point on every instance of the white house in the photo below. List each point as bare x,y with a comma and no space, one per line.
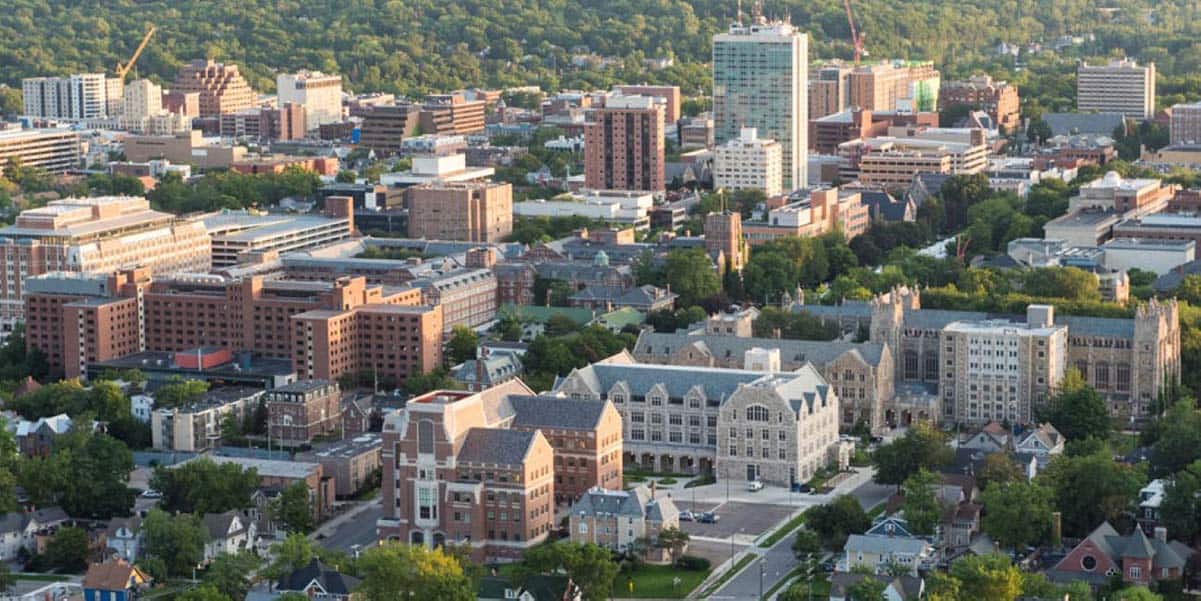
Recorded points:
229,533
1042,442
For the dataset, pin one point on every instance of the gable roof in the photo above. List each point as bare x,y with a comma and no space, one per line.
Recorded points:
115,575
636,502
331,581
494,445
884,544
1136,545
219,524
557,412
677,380
656,344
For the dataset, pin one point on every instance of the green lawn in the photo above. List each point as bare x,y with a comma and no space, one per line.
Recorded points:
656,582
820,584
701,481
730,573
783,531
877,511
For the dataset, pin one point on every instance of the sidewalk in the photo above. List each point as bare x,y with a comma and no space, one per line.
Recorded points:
331,526
715,494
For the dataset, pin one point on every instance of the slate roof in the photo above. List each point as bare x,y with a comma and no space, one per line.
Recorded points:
1066,124
884,206
1137,545
678,380
218,524
654,344
330,580
557,412
636,502
850,309
48,515
1172,279
12,522
638,296
884,544
909,587
116,524
578,271
494,445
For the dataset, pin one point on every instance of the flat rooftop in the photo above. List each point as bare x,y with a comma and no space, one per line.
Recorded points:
344,449
1150,245
163,361
271,468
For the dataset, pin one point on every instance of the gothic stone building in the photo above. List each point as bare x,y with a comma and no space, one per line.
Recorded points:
747,425
861,374
1129,361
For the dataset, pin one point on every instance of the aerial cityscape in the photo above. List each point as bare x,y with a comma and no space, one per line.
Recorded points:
846,300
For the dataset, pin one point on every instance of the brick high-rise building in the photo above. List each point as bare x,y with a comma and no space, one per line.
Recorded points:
998,98
94,235
669,96
1121,86
286,122
326,328
385,127
221,87
623,145
452,114
895,85
586,437
829,91
472,211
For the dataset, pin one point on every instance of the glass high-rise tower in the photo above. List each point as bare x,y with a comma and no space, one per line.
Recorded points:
760,80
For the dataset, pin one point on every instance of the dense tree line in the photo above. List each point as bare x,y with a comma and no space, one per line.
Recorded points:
419,46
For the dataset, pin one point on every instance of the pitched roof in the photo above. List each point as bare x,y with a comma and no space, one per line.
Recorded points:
678,380
114,575
884,544
219,524
557,412
1066,124
636,502
331,581
655,344
494,445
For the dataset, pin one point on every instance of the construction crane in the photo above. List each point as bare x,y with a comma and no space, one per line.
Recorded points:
123,70
856,37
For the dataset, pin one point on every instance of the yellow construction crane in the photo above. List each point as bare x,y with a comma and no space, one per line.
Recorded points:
123,70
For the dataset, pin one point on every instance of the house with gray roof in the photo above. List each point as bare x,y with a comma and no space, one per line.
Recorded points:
1135,557
877,553
622,520
896,588
229,533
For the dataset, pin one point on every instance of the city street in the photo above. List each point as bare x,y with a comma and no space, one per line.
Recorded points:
354,528
776,562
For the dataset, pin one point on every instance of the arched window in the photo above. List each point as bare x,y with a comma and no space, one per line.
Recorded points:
756,413
425,436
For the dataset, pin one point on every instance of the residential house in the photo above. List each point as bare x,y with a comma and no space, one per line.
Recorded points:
1042,442
1150,498
991,438
619,519
123,537
141,406
113,580
229,533
1135,557
959,526
12,529
318,582
876,553
40,527
539,587
36,438
896,588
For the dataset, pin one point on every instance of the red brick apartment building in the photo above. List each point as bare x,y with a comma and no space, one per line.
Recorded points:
341,326
301,411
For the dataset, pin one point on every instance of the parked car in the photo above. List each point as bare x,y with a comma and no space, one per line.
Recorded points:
707,517
800,487
686,516
828,565
754,486
151,494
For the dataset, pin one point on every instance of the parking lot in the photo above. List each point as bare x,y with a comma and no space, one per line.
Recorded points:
734,518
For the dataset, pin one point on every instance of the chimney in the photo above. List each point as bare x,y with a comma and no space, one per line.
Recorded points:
1161,534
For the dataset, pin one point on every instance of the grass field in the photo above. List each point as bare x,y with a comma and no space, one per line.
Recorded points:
657,582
